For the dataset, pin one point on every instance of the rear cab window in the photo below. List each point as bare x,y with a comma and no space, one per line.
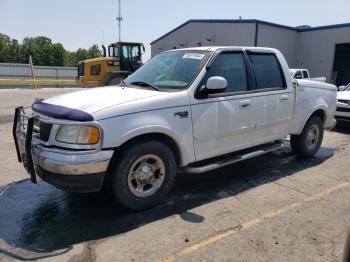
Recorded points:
298,75
267,71
305,74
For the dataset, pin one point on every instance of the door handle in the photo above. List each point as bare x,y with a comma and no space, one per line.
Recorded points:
244,103
283,98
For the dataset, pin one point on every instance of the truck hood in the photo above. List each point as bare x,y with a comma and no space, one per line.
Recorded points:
344,95
96,99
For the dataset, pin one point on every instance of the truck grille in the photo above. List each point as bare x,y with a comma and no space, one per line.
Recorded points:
45,130
343,109
81,68
343,101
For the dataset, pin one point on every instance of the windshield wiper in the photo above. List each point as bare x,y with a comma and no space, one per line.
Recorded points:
140,83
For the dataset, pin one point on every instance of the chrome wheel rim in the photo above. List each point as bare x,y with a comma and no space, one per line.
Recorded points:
312,137
146,175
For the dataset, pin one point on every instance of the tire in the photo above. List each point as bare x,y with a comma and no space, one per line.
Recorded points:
144,175
309,141
114,81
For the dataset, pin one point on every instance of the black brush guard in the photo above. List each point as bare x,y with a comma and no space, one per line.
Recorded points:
25,157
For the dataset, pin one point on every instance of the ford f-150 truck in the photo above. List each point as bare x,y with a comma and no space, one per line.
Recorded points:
190,110
298,73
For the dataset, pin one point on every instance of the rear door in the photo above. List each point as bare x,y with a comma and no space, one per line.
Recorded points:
275,100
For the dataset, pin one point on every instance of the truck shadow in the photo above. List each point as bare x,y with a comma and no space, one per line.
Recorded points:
39,221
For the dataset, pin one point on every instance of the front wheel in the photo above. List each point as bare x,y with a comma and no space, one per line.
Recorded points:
144,175
309,141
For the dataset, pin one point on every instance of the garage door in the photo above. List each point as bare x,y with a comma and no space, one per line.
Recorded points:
341,67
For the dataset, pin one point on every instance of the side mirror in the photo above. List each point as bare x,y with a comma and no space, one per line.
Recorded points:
216,83
341,88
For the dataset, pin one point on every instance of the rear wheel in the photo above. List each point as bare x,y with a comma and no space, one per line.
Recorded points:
144,175
309,141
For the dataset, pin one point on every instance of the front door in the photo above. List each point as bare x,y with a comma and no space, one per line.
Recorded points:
225,122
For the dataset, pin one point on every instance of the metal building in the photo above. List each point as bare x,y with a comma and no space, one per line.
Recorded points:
324,50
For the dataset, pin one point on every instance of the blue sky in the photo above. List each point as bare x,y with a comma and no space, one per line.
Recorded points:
80,23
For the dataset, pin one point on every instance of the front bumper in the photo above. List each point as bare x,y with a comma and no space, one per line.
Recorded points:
342,113
70,170
78,184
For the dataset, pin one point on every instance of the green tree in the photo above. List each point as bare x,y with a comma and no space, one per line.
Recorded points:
70,59
10,50
58,54
5,45
43,51
39,48
16,52
94,51
81,54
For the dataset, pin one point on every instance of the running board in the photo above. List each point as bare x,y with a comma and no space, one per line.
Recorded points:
209,165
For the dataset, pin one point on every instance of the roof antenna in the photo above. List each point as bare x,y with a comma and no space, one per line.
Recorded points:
119,19
240,18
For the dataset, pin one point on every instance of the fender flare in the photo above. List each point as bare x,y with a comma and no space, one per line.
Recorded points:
316,108
157,129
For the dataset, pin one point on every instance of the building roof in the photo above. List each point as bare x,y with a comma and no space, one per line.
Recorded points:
215,48
251,21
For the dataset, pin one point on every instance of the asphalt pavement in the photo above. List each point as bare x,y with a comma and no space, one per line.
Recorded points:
271,208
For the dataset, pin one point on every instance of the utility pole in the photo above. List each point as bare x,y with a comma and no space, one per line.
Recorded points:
119,19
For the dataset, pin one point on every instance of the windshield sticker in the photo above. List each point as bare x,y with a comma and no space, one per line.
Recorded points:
194,56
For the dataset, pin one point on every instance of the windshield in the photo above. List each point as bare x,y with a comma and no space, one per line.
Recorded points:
113,51
131,52
347,88
171,70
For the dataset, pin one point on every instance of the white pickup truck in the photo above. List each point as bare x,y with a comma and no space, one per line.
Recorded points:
343,106
300,73
190,110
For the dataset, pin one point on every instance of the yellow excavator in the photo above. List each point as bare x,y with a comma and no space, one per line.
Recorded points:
123,59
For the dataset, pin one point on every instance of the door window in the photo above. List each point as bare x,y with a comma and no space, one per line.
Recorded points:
267,70
305,74
113,51
230,66
298,75
132,53
95,70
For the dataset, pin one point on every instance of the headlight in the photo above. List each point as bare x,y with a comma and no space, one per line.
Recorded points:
75,134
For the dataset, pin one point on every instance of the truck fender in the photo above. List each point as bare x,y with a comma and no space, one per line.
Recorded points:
156,129
319,107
